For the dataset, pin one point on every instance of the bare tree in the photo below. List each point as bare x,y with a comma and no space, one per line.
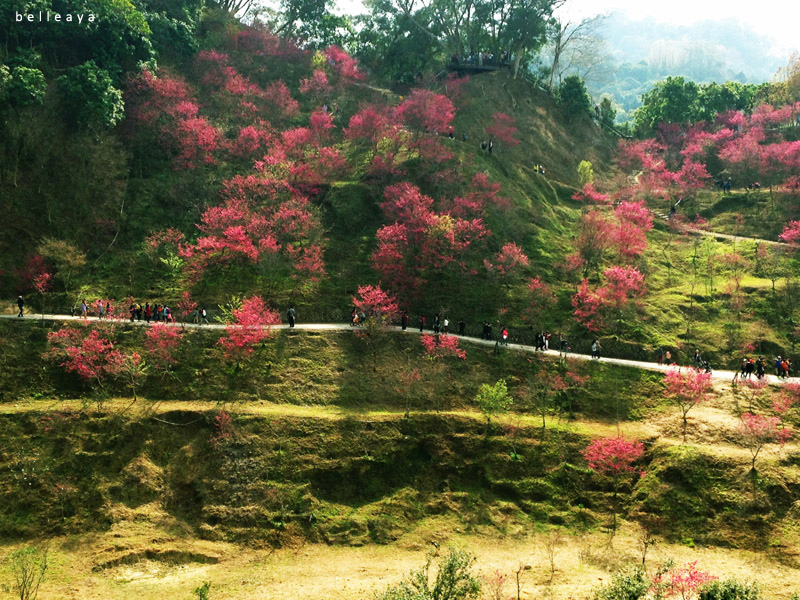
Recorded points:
576,48
29,565
235,7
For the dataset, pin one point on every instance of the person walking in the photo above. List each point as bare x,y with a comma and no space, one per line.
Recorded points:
596,349
436,323
203,316
660,355
404,320
20,305
148,312
421,323
504,335
84,309
291,314
461,327
446,325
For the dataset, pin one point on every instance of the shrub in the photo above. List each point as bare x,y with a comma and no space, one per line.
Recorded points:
626,585
730,589
29,566
454,581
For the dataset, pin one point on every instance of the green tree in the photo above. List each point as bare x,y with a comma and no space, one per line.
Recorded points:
89,98
493,399
607,112
674,100
585,172
26,87
573,97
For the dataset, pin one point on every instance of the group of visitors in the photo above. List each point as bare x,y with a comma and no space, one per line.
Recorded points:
482,58
542,341
158,313
699,363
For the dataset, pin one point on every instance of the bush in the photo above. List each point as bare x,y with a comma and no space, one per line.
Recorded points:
730,589
627,585
454,581
494,399
29,566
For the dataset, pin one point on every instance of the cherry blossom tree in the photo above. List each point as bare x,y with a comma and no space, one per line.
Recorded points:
437,347
687,389
594,307
252,325
612,458
759,430
681,582
161,342
421,243
426,112
503,129
380,310
509,263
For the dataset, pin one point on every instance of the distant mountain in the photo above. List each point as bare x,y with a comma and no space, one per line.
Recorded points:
645,51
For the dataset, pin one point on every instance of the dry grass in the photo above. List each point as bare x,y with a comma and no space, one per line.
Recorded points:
319,571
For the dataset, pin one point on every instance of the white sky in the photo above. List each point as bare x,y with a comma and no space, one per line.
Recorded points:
778,19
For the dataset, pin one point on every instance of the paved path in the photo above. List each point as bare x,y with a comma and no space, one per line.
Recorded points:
637,364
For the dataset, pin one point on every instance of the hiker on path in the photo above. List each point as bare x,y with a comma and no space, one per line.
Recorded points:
461,327
84,309
504,335
404,320
203,316
20,304
436,323
446,325
421,323
291,315
697,360
596,347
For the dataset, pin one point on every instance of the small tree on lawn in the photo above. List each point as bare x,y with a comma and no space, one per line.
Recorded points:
612,458
681,582
29,566
758,431
493,400
687,389
380,310
131,369
437,351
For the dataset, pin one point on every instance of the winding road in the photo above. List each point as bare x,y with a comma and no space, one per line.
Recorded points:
636,364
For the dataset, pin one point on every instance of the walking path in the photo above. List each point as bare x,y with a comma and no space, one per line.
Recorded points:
636,364
719,236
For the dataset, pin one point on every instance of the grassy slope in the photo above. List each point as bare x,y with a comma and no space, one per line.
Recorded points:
348,467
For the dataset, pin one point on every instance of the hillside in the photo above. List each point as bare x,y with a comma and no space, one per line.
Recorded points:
176,166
